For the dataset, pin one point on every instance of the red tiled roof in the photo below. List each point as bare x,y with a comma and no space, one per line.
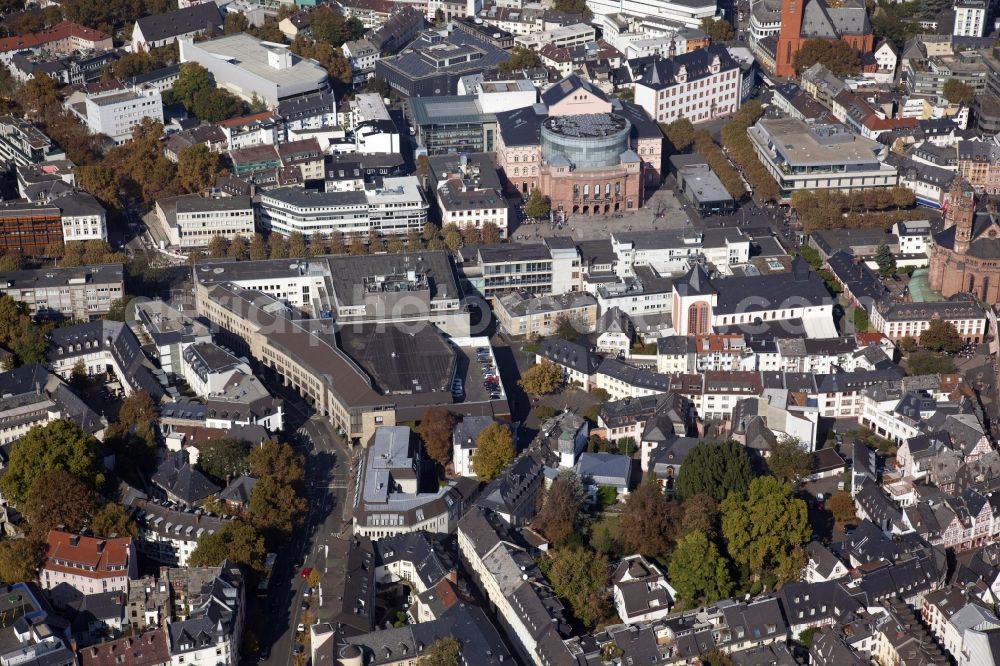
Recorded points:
148,649
99,558
55,33
246,120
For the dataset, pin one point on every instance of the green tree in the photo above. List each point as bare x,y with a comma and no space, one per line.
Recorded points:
57,445
218,246
57,499
807,635
718,30
574,7
223,459
941,335
928,363
958,92
680,133
701,514
789,462
236,541
277,246
541,379
137,409
445,651
862,322
235,22
491,234
841,506
275,508
435,428
697,571
579,576
237,248
258,250
648,521
112,520
837,56
537,206
297,245
566,329
452,237
30,344
277,460
521,58
20,559
765,527
198,167
215,104
561,514
494,451
886,260
12,313
192,79
715,469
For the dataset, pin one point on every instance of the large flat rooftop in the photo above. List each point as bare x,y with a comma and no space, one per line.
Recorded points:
801,144
253,55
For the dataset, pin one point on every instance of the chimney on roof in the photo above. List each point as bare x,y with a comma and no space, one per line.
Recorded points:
100,547
74,539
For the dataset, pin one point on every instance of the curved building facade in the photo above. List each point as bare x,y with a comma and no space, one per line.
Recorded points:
589,141
588,166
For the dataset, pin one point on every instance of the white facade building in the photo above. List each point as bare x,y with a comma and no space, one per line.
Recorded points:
191,221
116,112
83,217
689,13
701,85
89,565
247,66
396,208
970,18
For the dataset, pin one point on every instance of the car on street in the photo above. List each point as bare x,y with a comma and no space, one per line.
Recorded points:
306,571
301,628
299,649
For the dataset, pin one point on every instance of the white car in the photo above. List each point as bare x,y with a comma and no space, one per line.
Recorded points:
301,628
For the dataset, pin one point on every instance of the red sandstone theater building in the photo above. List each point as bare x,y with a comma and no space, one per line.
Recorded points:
965,256
815,19
589,155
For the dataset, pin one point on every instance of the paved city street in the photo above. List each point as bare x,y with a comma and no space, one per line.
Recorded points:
328,469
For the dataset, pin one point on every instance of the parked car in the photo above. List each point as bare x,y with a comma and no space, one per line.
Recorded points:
306,571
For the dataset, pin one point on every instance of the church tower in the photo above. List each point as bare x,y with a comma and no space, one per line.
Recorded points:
961,213
789,37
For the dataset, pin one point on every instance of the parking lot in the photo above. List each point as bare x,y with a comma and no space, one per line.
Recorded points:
477,373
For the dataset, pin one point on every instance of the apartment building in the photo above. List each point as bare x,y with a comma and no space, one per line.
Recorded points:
552,267
191,221
83,217
689,13
80,293
899,320
168,536
117,112
520,314
394,208
702,85
390,499
87,564
21,143
970,18
559,37
32,396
